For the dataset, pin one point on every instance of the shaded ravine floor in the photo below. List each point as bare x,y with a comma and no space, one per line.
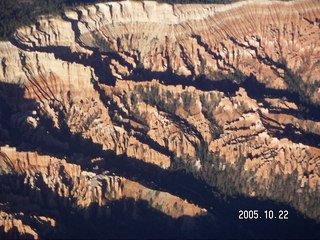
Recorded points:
135,219
224,209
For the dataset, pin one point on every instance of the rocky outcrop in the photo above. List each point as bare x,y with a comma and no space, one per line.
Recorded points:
54,183
246,130
9,223
250,37
18,225
85,187
205,88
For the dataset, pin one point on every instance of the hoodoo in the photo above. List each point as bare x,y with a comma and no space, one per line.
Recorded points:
139,111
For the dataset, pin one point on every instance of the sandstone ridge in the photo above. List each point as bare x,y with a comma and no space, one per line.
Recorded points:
101,109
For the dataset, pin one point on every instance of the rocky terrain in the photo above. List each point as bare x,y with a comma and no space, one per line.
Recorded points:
143,110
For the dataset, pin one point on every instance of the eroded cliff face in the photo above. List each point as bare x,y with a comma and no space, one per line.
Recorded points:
104,103
263,38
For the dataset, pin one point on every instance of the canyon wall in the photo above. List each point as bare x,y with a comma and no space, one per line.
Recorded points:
220,91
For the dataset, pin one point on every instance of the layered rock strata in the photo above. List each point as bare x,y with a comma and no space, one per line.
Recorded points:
157,85
54,183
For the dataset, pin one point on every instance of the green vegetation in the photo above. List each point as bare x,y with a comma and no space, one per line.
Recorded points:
237,76
297,85
303,90
17,13
169,103
215,170
101,43
232,180
151,95
209,105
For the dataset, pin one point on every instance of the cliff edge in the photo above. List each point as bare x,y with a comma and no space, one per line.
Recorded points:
109,102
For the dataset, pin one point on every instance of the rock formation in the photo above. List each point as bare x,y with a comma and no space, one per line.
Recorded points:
217,90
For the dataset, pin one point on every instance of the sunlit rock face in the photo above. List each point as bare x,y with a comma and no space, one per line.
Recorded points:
262,38
103,104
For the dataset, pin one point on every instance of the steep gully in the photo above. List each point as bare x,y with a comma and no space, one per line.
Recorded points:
174,182
120,165
101,67
140,171
167,78
254,88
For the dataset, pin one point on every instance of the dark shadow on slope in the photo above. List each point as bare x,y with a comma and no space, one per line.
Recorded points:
153,144
124,218
11,93
225,209
254,88
45,138
13,233
100,66
169,78
127,218
293,133
258,91
178,183
145,173
76,149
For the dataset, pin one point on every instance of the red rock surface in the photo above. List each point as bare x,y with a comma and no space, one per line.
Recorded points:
72,105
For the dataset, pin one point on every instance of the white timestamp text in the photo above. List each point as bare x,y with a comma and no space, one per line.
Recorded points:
266,214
